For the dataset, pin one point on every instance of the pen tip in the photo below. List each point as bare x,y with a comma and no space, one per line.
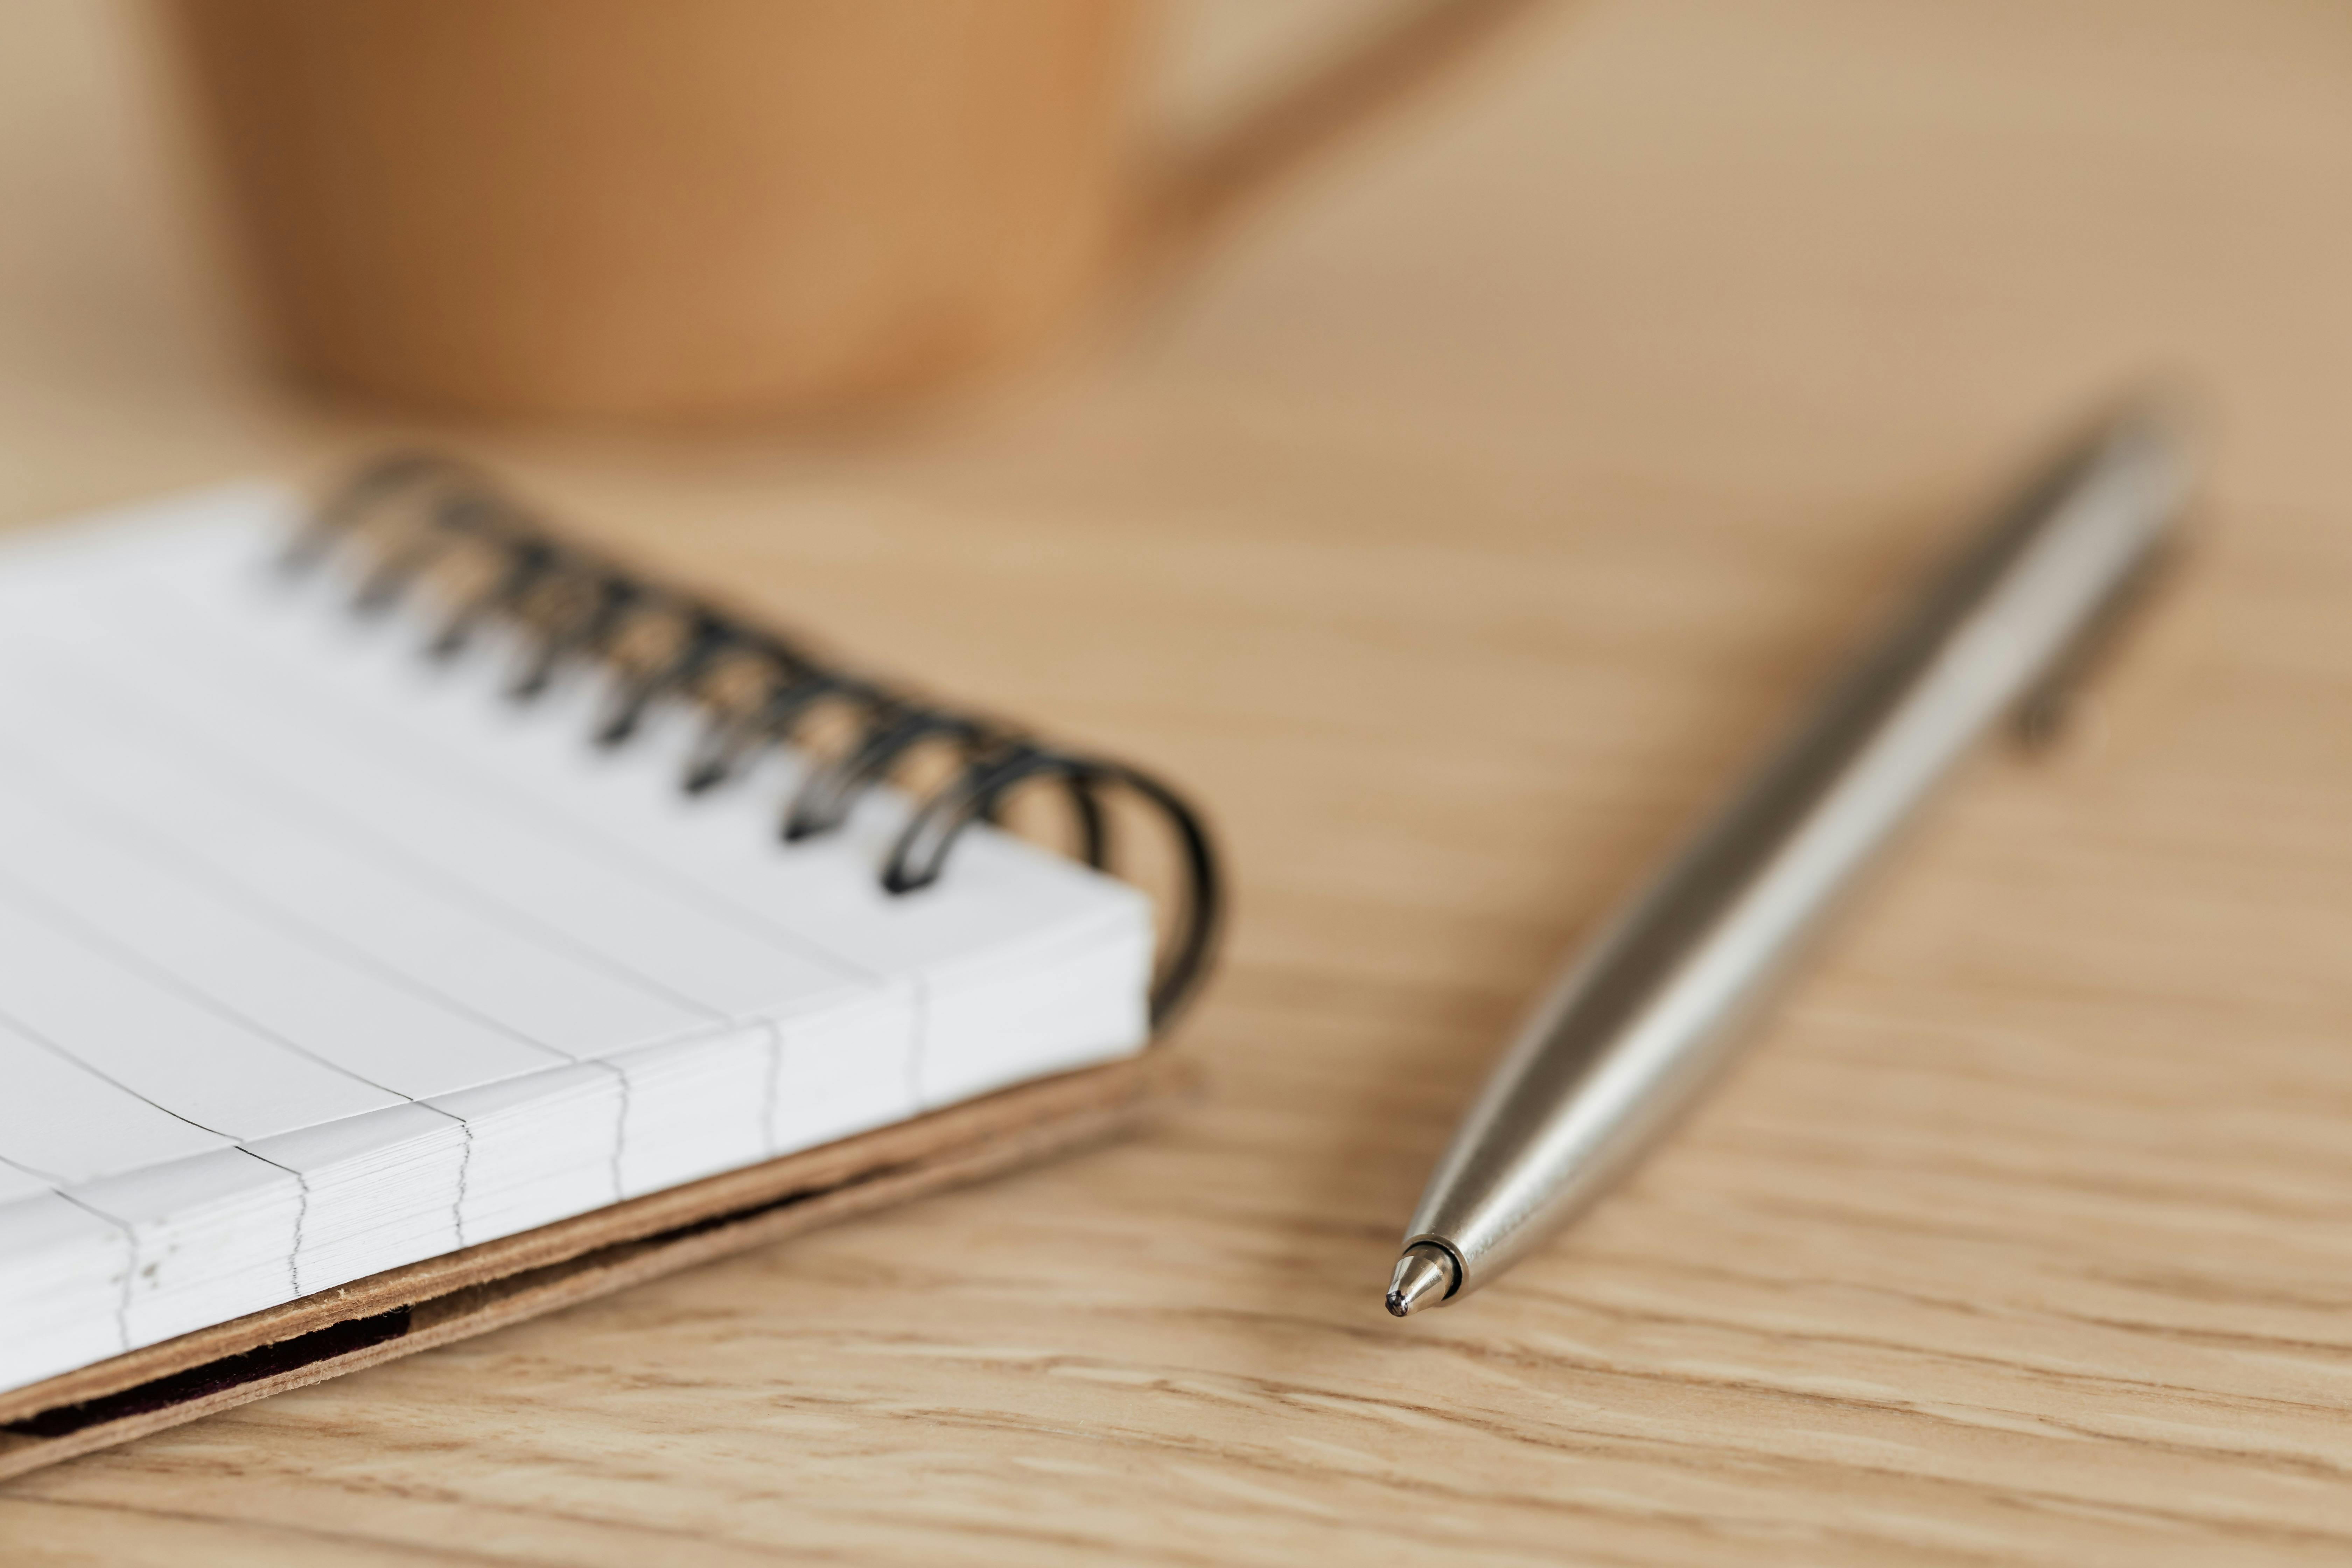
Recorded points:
1424,1278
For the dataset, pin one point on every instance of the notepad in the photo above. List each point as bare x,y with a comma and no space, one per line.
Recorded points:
323,953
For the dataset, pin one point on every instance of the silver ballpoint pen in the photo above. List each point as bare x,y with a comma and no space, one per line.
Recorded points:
1645,1014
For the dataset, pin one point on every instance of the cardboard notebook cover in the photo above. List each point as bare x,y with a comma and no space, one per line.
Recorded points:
460,1294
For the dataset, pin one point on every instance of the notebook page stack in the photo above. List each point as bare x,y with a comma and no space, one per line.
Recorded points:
317,958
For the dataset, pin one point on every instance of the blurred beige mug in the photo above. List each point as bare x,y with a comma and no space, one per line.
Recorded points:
683,209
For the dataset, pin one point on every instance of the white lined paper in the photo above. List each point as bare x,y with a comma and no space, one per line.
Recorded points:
313,962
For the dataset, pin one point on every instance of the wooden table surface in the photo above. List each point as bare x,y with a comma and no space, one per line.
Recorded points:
1453,534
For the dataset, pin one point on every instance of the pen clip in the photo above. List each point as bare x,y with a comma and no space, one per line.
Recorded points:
2044,715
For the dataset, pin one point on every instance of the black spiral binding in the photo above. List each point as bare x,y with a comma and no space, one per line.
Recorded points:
425,516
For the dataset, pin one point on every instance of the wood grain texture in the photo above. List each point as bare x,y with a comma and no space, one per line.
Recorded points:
1456,535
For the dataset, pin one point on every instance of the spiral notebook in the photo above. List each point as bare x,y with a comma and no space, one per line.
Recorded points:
394,883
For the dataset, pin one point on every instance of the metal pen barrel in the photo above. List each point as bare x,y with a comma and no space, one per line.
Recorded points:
1650,1009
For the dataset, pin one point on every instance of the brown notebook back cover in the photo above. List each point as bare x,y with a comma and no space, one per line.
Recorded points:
460,1294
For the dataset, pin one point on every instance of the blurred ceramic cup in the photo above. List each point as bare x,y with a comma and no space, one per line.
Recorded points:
683,209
